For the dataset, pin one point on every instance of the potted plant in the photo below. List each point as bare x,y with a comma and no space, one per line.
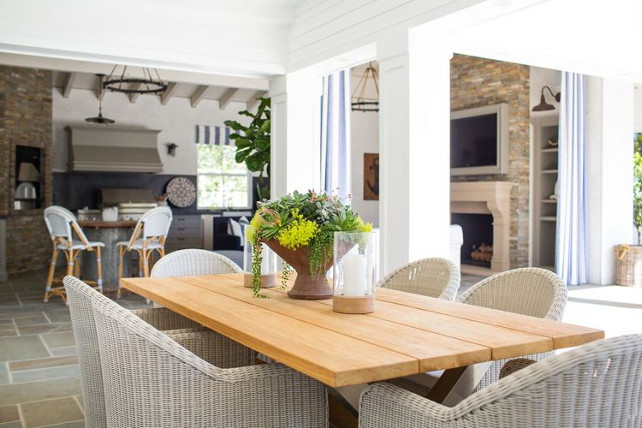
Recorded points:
630,256
253,145
110,210
300,228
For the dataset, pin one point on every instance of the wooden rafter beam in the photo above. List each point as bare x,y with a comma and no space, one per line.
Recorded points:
169,92
226,98
254,101
134,97
69,84
199,94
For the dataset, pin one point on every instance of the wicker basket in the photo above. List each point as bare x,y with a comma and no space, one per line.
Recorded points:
628,265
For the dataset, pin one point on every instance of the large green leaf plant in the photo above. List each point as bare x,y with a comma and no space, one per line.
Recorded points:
253,144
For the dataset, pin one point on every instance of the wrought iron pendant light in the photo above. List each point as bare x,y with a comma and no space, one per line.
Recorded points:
360,101
100,119
149,83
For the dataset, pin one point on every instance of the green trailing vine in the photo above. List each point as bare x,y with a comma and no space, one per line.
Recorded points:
257,259
286,275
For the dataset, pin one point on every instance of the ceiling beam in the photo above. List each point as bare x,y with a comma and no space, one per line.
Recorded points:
134,97
169,92
254,101
69,84
226,98
199,94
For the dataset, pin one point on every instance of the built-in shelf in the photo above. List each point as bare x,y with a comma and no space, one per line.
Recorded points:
545,175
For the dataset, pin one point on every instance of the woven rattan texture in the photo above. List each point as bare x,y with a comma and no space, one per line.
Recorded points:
156,382
596,385
528,291
213,347
434,277
193,262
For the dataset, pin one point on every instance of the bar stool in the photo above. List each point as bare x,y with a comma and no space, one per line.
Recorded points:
62,225
149,235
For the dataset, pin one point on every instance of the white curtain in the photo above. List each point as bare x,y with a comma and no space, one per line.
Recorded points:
335,134
571,247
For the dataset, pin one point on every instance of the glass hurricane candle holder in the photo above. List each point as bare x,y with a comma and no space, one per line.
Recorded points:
268,264
355,272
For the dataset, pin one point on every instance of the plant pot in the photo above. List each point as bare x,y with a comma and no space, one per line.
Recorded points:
110,214
306,285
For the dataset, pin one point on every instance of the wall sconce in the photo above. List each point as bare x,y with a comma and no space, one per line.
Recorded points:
543,105
171,149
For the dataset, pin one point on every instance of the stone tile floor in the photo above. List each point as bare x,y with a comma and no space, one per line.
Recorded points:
39,377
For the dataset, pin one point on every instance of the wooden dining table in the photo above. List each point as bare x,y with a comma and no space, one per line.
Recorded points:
406,335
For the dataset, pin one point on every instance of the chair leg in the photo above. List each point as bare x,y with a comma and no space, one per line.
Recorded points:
70,261
50,275
121,254
140,263
99,273
146,257
77,262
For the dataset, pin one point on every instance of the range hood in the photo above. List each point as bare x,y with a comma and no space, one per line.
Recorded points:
99,149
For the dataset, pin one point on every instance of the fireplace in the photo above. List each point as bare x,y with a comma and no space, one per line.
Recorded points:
478,238
491,198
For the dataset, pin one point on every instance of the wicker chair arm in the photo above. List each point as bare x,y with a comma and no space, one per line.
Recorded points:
213,347
164,319
514,365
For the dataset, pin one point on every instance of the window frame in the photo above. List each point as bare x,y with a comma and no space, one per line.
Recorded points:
248,175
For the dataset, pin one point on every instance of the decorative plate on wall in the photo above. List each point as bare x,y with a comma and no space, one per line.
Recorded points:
181,192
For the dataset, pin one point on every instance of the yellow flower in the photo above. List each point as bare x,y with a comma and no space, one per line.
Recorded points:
299,232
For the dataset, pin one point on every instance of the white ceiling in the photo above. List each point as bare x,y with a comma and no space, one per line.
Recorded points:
586,36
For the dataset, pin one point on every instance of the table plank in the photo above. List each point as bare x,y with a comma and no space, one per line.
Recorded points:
444,352
563,335
280,337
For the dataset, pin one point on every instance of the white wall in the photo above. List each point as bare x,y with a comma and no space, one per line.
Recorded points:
176,121
365,139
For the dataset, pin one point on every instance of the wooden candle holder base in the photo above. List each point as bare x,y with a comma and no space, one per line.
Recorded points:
267,281
353,305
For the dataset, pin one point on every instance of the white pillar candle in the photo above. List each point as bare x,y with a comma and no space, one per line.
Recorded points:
354,275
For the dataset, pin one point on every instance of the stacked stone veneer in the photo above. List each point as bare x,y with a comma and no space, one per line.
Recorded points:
477,82
25,120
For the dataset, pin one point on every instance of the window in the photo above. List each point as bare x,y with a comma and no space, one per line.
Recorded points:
222,183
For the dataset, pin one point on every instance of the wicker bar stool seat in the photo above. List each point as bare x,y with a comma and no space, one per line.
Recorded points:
62,226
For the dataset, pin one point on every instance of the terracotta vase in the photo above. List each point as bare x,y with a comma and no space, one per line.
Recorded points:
306,285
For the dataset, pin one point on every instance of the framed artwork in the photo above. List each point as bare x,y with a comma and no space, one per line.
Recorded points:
371,176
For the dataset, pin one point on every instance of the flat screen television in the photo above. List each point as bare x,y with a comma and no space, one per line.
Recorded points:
479,140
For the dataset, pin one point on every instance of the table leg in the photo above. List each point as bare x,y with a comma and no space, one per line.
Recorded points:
456,384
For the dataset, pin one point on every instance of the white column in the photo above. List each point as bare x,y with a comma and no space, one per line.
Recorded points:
610,173
414,128
295,140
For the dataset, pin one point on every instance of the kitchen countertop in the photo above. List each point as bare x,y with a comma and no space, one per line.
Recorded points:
99,224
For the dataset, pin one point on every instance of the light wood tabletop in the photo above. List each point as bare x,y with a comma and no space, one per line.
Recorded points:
406,334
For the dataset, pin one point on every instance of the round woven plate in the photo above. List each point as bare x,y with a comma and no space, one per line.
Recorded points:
181,192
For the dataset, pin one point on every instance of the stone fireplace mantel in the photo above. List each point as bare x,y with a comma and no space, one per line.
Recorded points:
487,197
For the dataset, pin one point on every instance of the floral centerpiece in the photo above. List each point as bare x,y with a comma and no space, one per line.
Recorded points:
300,229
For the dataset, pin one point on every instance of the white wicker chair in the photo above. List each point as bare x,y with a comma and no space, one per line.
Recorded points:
62,225
193,262
211,346
527,291
595,385
434,277
148,237
153,381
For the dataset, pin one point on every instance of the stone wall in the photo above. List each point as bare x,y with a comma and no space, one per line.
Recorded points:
477,82
25,120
